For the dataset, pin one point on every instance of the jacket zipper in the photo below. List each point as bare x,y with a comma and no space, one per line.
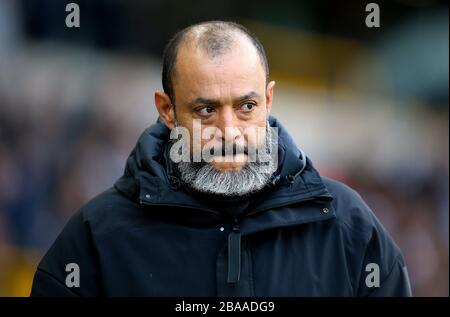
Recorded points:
234,237
234,242
234,254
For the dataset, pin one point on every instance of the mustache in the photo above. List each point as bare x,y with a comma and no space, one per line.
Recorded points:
235,149
230,149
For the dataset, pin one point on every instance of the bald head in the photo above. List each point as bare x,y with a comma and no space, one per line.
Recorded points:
214,39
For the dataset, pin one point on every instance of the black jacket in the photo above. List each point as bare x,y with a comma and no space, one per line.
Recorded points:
302,235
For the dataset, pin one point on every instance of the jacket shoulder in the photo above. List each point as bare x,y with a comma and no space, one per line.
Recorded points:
109,211
350,208
367,239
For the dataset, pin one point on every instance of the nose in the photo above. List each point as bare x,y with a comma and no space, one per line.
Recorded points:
229,125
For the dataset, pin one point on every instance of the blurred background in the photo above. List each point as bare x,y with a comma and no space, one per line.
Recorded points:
369,106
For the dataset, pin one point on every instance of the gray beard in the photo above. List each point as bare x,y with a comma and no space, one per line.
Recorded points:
251,178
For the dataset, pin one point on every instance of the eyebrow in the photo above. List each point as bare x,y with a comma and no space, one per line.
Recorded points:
208,101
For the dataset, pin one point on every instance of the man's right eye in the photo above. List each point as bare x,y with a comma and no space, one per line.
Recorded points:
206,111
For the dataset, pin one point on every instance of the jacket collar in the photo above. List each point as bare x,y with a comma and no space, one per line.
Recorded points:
148,180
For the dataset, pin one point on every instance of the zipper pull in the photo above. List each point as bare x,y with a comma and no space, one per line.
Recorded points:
234,255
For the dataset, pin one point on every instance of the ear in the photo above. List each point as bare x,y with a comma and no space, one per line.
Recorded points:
269,97
165,109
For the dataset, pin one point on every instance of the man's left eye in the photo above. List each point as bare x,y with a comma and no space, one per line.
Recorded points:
247,107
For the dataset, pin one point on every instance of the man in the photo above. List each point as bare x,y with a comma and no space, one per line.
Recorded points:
230,223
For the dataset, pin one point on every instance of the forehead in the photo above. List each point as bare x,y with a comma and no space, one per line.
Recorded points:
236,71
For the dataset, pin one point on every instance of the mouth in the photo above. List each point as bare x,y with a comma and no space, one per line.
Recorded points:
235,154
233,158
234,151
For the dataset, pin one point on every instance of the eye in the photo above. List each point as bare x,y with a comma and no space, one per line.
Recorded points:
247,107
205,111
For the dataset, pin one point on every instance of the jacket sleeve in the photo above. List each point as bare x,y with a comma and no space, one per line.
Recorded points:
395,284
70,266
384,272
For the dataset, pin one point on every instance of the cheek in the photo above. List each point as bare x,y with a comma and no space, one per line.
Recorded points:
256,134
259,116
184,117
207,136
